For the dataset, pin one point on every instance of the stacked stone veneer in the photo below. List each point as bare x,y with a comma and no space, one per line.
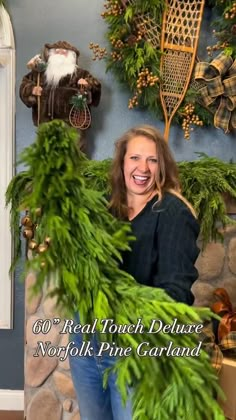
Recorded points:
49,392
217,268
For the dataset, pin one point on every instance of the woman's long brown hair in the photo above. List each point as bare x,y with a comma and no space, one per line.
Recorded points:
167,178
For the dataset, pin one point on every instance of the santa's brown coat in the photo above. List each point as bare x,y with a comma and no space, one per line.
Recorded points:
55,102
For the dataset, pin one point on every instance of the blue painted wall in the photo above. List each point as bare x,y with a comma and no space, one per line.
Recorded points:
79,22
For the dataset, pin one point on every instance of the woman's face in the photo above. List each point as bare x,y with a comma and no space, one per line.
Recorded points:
140,165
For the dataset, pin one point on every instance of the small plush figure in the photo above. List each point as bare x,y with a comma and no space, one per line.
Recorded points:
57,88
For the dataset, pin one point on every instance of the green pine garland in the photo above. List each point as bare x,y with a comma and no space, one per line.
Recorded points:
130,54
203,183
81,266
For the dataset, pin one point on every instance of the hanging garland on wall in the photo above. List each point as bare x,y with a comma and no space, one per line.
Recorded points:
134,56
205,182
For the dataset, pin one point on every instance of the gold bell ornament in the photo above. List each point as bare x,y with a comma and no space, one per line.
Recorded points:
47,240
28,233
26,221
42,248
32,245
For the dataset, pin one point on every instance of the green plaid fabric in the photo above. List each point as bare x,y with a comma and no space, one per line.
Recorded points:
204,71
212,349
205,97
215,87
219,77
222,63
232,69
230,86
233,119
231,103
222,116
228,344
216,352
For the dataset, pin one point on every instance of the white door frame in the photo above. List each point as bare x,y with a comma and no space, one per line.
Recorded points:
7,154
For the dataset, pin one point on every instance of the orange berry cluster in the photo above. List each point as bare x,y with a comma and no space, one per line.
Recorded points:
112,9
190,118
133,101
216,47
116,56
98,52
231,14
117,43
141,31
146,78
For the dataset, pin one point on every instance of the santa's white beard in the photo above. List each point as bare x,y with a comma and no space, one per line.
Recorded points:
59,66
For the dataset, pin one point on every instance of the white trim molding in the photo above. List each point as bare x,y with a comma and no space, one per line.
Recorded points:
11,400
7,154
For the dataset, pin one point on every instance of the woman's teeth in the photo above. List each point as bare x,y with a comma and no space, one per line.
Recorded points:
140,180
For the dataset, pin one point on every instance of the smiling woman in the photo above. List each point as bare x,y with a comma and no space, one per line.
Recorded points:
7,117
140,169
162,253
146,191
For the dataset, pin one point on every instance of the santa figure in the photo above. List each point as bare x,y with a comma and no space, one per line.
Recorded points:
56,83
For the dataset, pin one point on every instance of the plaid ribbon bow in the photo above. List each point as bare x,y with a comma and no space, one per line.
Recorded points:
224,308
219,89
226,331
216,352
207,337
227,325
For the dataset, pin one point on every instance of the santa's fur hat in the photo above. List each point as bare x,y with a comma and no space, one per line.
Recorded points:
60,44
